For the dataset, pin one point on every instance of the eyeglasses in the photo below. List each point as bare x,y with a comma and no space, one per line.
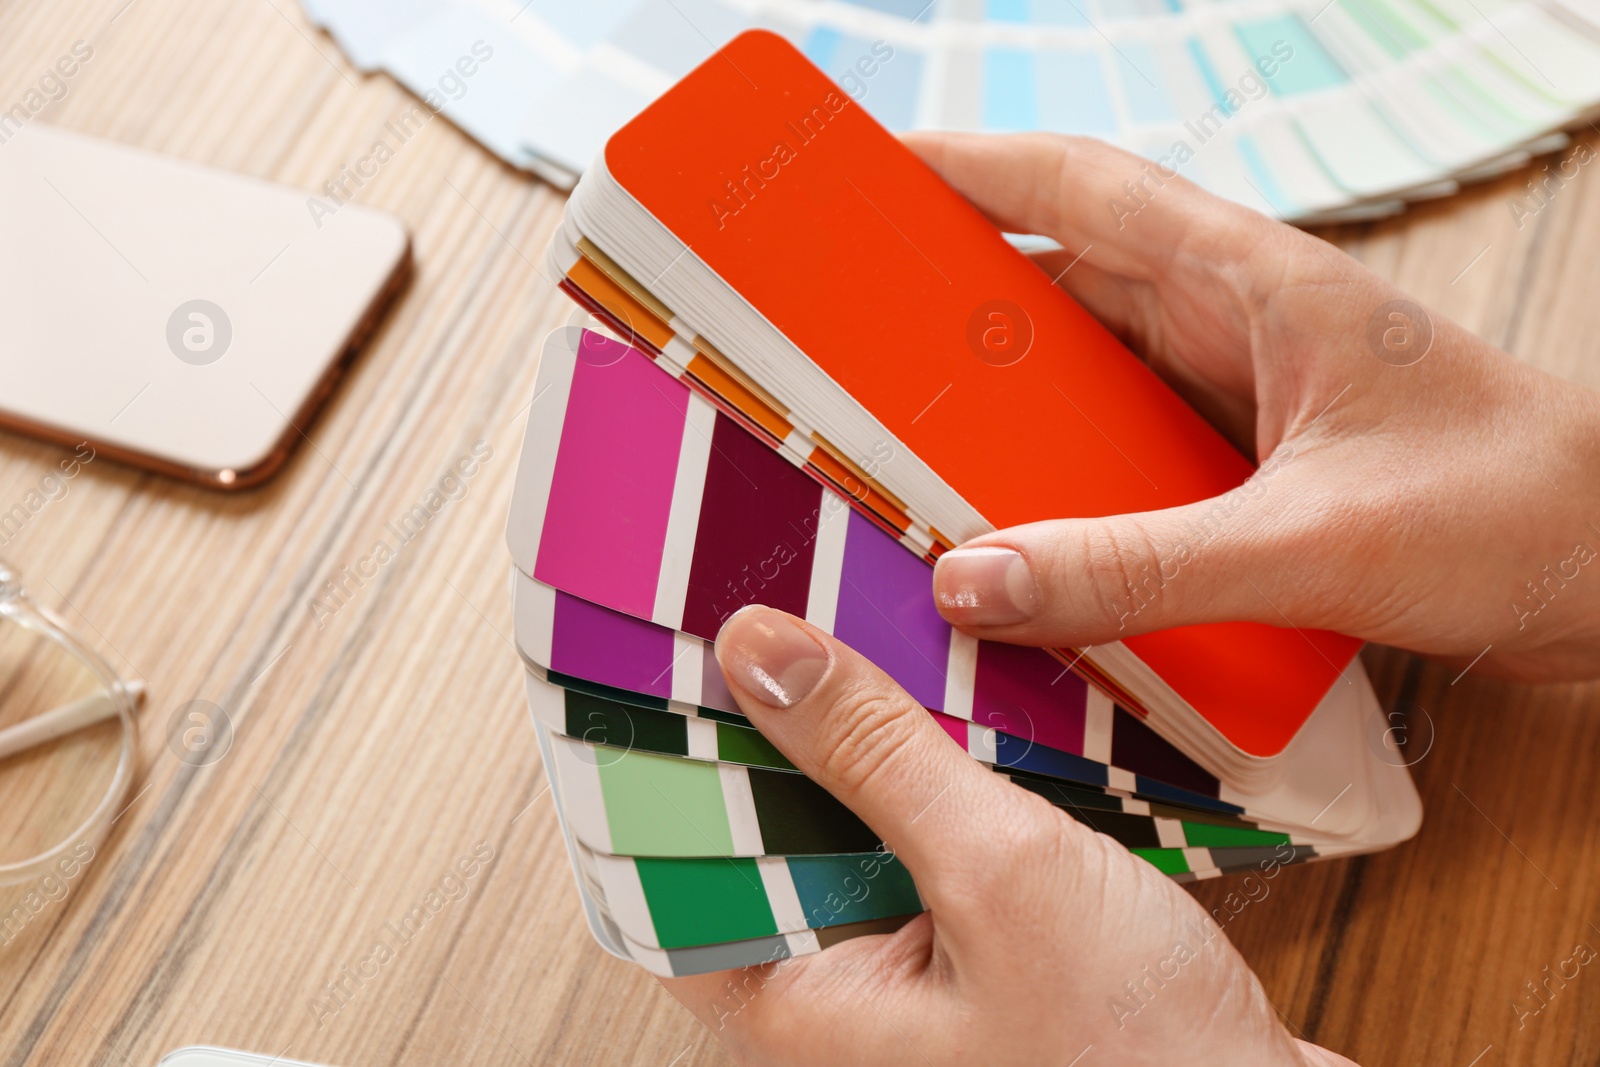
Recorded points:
68,744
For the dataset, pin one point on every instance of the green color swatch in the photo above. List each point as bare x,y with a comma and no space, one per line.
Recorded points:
705,902
1207,835
658,805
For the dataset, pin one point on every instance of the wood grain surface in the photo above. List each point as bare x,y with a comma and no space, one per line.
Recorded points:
377,746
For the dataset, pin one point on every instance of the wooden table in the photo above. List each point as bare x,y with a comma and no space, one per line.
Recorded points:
374,750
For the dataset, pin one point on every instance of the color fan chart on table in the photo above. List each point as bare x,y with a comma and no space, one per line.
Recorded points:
1310,110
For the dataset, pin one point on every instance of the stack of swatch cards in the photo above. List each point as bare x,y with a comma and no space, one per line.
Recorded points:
639,510
1305,109
763,424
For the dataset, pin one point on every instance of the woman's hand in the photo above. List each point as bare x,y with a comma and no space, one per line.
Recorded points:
1043,943
1418,487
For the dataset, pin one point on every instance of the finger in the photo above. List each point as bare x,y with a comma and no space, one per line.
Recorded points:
1074,582
1122,307
810,1010
1112,298
720,999
1145,222
753,1005
1179,278
852,729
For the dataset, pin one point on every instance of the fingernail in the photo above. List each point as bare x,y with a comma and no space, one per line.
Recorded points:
770,657
985,587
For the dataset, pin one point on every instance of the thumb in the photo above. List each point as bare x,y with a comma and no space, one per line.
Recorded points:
1070,188
1075,582
849,727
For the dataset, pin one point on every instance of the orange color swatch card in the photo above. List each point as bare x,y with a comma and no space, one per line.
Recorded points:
768,241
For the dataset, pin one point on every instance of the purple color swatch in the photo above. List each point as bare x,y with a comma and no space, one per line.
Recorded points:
599,645
886,612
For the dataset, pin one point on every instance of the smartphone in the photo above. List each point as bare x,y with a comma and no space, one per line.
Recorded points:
178,317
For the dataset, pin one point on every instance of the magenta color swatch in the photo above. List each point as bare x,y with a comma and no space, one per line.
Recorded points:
886,611
612,487
1018,687
956,728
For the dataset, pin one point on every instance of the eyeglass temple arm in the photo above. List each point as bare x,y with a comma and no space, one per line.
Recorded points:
85,711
